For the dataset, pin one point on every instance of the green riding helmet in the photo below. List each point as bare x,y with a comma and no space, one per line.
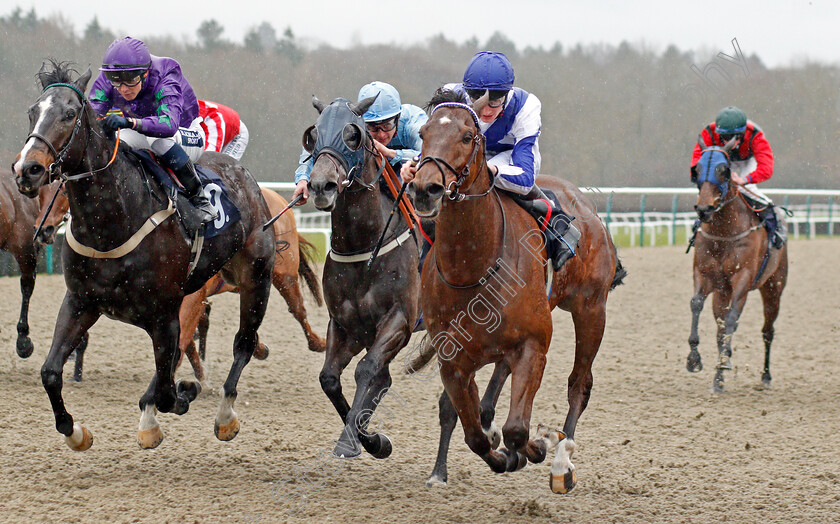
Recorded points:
731,121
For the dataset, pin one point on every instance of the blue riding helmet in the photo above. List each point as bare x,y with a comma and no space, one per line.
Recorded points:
489,70
387,104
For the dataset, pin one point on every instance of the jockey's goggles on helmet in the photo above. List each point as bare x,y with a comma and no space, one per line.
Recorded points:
383,126
128,78
497,98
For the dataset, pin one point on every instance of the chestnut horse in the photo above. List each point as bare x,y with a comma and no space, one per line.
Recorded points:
484,294
371,307
115,210
17,216
294,258
732,256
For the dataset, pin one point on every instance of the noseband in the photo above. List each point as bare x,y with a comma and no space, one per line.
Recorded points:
460,176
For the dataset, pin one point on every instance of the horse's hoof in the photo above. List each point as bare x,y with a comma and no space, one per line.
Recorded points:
694,365
24,347
515,460
81,439
766,379
434,480
261,352
150,438
347,450
563,483
189,389
226,432
385,447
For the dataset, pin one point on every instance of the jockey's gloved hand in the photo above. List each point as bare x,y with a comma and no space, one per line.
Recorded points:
114,122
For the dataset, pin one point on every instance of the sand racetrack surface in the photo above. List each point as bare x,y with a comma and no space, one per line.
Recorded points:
654,444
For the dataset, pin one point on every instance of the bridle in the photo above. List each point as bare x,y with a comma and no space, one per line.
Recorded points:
54,169
460,176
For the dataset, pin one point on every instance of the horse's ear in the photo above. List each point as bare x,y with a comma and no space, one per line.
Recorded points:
481,103
362,107
83,80
42,76
352,136
310,136
317,104
729,145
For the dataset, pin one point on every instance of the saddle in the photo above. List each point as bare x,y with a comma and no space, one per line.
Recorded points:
226,212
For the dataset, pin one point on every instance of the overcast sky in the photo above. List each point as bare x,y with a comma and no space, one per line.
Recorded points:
780,32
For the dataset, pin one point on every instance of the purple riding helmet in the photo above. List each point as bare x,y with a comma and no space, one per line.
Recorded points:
125,60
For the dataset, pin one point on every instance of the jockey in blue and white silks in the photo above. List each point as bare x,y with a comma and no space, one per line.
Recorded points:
510,123
512,139
394,126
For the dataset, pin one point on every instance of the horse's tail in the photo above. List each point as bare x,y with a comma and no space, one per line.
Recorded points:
307,257
425,355
620,272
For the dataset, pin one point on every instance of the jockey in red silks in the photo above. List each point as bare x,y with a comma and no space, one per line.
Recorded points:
225,132
159,111
751,162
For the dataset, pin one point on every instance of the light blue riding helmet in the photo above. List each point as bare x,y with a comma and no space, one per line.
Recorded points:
386,105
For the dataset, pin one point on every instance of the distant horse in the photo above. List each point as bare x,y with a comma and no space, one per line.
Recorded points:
370,307
115,210
732,256
484,296
294,258
17,216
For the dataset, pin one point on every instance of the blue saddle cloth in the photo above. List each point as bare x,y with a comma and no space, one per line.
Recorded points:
226,212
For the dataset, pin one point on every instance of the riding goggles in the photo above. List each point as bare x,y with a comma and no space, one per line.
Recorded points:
385,126
128,78
497,98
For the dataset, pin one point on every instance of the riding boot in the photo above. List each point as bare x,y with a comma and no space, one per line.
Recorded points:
179,162
774,226
561,237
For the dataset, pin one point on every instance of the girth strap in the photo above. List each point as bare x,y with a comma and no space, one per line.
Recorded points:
151,223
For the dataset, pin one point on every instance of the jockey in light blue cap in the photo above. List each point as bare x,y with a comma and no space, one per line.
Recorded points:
394,126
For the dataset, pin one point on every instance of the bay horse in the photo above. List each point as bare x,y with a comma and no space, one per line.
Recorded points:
373,308
17,216
293,260
484,299
114,207
732,256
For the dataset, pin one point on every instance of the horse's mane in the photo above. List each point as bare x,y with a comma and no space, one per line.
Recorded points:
443,95
61,73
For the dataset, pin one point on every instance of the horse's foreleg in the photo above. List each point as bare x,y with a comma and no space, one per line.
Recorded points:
702,288
448,420
254,288
736,299
462,391
72,323
340,351
191,312
373,379
27,261
527,370
289,286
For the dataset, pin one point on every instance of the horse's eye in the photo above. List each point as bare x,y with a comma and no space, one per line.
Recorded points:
467,137
69,114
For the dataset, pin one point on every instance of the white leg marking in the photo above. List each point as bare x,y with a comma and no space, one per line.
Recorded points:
147,418
226,413
562,463
494,434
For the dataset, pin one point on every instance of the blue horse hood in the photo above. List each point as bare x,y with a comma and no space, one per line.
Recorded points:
331,125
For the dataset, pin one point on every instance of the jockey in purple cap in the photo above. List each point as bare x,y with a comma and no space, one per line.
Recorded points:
159,111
